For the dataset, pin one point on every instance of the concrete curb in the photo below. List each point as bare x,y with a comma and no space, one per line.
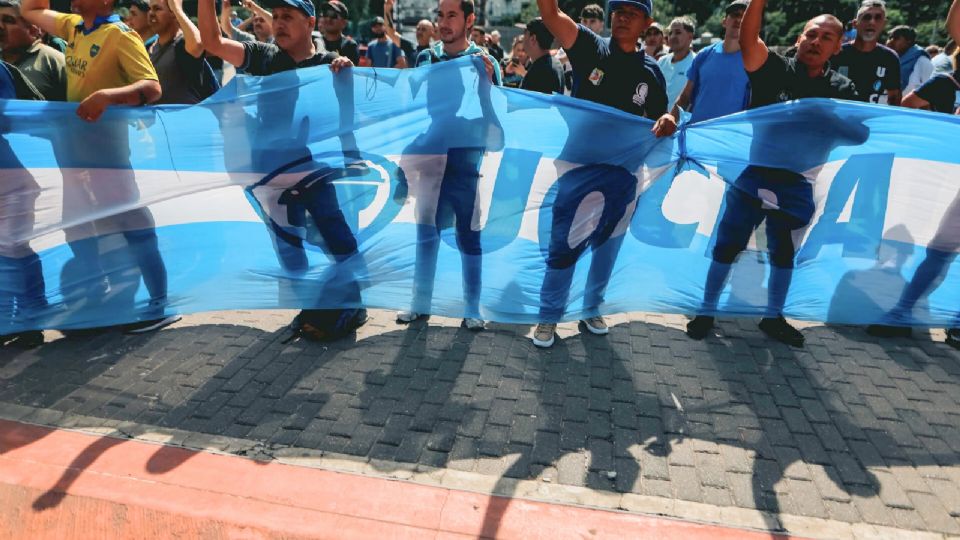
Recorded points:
536,490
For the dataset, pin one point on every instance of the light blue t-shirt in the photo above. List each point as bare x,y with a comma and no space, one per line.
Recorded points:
942,63
675,75
383,54
720,83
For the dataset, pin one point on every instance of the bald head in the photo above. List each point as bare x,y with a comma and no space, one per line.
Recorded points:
826,21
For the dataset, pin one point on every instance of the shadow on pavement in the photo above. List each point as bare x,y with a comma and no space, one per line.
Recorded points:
731,421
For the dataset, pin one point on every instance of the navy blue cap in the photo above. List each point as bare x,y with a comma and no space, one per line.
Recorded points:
305,6
645,6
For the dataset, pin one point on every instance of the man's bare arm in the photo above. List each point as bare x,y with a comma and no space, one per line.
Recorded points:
191,35
559,23
213,41
388,28
913,101
138,93
683,100
753,48
38,12
953,21
894,97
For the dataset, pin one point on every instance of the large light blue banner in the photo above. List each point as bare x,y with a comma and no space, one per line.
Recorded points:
430,190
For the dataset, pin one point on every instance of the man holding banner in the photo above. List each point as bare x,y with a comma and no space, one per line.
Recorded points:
614,72
294,48
456,191
783,198
107,65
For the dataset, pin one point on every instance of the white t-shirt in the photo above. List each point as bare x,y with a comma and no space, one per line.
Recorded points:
922,71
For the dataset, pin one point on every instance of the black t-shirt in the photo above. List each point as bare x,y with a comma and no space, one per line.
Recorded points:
782,79
496,51
183,78
817,132
603,73
267,59
344,47
941,92
410,52
544,75
873,73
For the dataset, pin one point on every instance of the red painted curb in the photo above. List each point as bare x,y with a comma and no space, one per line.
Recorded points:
63,484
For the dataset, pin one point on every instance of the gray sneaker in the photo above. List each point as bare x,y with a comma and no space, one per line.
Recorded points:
544,335
596,325
475,325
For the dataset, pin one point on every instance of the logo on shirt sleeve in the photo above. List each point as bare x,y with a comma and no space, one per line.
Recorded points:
640,97
595,76
94,49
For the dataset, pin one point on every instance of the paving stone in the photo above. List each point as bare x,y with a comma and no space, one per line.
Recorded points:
686,484
872,510
710,470
842,511
934,514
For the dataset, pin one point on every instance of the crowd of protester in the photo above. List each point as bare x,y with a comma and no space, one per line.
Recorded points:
160,55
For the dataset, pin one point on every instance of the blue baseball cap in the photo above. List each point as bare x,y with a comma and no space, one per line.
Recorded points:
645,6
305,6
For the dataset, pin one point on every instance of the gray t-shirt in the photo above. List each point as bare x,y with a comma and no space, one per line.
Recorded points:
182,77
45,68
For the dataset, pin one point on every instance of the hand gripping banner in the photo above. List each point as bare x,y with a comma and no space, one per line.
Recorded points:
430,190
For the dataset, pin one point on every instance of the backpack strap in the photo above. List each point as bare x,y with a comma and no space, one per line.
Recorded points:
955,83
23,87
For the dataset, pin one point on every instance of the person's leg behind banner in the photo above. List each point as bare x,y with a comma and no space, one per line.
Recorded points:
741,215
22,286
560,264
341,289
459,192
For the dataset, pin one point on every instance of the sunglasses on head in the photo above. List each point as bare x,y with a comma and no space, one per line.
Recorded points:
331,15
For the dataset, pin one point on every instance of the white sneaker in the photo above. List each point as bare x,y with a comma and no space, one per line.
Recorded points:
405,317
544,335
596,325
475,325
153,325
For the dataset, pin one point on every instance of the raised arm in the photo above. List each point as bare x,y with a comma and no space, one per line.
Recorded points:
559,23
754,50
213,41
191,35
38,12
226,25
257,10
953,21
388,27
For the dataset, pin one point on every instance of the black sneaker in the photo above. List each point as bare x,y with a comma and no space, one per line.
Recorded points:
142,327
953,338
779,329
699,327
327,324
886,331
23,340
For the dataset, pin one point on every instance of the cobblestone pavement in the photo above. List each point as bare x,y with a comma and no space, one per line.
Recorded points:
848,429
